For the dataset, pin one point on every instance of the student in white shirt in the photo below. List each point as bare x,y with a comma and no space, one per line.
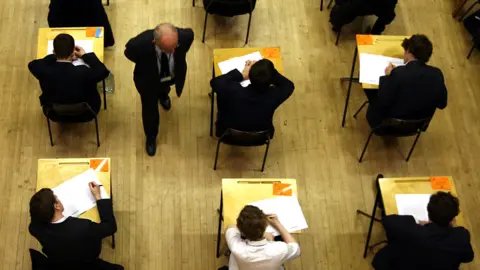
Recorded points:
253,248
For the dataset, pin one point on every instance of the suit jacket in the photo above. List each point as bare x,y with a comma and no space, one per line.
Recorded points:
141,51
248,109
411,92
64,83
76,242
416,247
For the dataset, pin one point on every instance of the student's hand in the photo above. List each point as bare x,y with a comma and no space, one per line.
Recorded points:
79,51
273,220
421,222
389,68
246,69
95,189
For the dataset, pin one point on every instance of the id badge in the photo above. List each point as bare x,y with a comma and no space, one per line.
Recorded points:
166,79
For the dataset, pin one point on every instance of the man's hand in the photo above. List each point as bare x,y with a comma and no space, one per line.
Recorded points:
422,222
389,68
273,220
246,69
95,189
79,51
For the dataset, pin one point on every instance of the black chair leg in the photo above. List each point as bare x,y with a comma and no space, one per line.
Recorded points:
468,11
363,105
471,50
360,212
330,4
104,96
248,28
193,4
204,27
413,146
265,156
321,5
108,2
455,13
365,148
216,154
96,129
50,131
220,219
338,37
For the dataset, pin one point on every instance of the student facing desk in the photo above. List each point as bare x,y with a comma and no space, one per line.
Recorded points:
220,55
236,193
390,46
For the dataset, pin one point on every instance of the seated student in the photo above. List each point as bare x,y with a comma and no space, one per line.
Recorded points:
345,11
68,13
250,108
254,249
71,243
436,244
64,83
409,92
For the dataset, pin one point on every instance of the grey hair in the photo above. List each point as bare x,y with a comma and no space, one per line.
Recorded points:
161,29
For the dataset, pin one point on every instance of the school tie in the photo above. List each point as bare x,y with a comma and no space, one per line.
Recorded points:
165,66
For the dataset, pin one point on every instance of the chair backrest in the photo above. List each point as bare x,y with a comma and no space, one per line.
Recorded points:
401,128
74,109
245,138
230,8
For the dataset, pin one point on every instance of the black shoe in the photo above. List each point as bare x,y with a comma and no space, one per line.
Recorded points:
166,103
151,146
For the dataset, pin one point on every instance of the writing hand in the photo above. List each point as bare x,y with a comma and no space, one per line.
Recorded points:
389,68
246,69
95,189
273,220
79,51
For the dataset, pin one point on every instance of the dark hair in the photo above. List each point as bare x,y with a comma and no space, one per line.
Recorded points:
63,45
442,208
420,46
42,205
261,74
252,223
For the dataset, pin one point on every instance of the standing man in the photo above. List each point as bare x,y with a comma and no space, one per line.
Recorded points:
160,61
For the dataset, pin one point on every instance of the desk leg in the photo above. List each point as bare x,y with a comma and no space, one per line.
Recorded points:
372,218
212,96
349,85
220,219
321,5
104,95
111,198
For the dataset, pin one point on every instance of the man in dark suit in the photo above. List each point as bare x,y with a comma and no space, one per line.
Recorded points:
409,92
433,245
71,243
160,62
64,83
250,108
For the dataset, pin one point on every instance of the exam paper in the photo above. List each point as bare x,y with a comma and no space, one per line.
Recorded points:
75,194
87,45
288,211
239,64
372,67
413,205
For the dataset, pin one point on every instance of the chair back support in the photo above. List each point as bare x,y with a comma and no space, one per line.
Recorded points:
71,109
402,128
244,138
229,8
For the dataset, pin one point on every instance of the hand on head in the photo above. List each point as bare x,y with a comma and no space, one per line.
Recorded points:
246,69
95,189
78,52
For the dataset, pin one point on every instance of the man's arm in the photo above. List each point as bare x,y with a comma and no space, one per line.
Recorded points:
189,37
37,67
399,228
443,98
284,86
132,51
97,71
387,90
292,248
233,237
468,255
221,83
108,224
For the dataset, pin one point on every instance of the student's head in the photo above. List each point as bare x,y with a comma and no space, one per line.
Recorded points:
165,37
252,223
63,46
417,47
442,208
261,74
43,206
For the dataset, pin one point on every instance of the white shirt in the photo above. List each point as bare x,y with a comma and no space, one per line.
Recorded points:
258,255
59,221
171,61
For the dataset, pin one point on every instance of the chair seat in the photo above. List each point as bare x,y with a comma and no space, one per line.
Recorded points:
228,8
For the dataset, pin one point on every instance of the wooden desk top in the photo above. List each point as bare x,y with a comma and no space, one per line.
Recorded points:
273,54
53,172
241,191
390,46
411,185
78,33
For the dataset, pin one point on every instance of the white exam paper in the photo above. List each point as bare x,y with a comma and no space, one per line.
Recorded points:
372,67
239,63
75,194
86,44
288,211
413,205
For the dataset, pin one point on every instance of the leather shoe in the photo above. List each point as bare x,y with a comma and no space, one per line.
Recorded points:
166,103
151,146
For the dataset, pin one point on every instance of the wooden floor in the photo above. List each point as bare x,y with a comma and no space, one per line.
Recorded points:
166,205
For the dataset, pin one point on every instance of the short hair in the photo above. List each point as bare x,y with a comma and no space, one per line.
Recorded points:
420,46
261,74
42,205
442,208
252,223
63,45
161,29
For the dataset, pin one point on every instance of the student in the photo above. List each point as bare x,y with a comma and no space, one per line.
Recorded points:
71,243
410,92
250,108
64,83
254,249
436,244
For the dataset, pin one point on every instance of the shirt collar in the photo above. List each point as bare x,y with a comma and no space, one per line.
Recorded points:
262,242
59,221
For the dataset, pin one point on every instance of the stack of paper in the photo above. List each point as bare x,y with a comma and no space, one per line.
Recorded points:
239,64
413,205
75,193
288,211
372,67
87,45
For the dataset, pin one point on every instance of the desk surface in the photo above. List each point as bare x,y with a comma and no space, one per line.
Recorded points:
46,34
53,172
273,54
411,185
390,46
241,191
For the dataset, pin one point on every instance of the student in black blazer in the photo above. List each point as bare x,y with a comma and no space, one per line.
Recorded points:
71,243
434,245
64,83
250,108
151,51
409,92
